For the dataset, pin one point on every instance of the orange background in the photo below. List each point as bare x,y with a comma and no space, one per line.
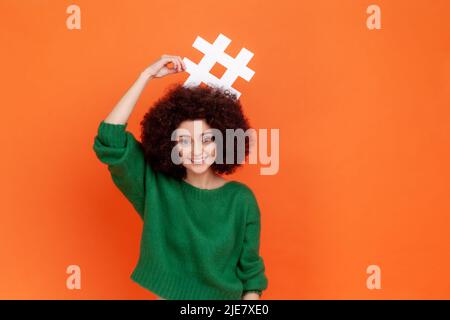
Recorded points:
364,141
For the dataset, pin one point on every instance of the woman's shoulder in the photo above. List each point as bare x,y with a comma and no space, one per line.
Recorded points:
244,190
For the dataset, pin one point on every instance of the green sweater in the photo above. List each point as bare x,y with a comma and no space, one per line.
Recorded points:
196,243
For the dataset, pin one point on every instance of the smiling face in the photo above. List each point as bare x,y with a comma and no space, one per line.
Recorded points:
196,145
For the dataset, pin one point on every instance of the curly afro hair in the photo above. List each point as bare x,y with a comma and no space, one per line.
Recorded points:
218,106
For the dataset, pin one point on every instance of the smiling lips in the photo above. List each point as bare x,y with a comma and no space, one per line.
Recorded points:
198,160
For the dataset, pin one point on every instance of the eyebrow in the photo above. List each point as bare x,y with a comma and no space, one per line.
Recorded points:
187,135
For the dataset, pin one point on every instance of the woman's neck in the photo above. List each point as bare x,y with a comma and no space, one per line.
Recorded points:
205,180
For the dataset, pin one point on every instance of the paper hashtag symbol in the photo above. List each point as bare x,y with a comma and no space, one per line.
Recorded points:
215,53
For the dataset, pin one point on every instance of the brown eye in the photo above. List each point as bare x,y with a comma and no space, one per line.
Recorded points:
208,138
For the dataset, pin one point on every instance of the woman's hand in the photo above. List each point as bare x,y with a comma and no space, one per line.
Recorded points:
160,69
250,296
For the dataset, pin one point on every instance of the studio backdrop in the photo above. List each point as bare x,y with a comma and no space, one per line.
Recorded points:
350,101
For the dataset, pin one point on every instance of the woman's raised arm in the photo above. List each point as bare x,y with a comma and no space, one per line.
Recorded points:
119,149
122,111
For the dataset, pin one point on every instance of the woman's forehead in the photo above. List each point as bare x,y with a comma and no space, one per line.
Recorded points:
192,126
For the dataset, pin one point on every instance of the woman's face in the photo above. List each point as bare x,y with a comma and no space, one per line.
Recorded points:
196,145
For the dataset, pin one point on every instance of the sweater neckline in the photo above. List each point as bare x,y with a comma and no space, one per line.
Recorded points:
201,193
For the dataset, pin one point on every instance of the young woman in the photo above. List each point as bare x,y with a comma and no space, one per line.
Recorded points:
201,232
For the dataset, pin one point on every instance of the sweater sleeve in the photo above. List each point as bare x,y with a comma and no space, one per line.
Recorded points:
119,149
251,268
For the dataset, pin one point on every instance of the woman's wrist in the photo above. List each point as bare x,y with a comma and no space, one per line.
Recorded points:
146,76
251,295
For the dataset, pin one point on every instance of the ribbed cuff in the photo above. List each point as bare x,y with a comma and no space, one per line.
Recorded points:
257,284
113,135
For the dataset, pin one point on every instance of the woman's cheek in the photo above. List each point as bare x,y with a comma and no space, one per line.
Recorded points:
211,152
184,154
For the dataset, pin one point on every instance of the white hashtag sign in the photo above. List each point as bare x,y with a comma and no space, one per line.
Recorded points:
213,53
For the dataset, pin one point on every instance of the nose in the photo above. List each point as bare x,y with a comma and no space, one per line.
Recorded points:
198,149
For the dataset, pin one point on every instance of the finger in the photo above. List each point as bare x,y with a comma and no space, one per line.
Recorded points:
174,63
183,66
164,61
178,64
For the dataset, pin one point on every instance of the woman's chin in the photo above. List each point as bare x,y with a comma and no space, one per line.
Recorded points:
198,168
